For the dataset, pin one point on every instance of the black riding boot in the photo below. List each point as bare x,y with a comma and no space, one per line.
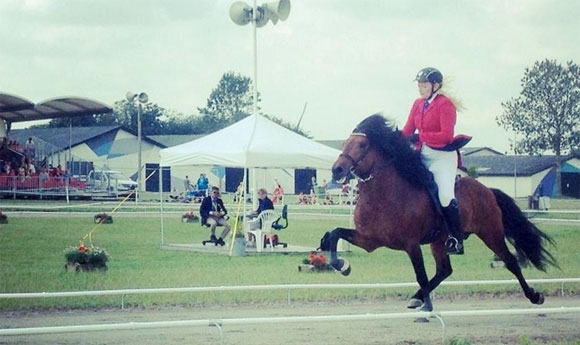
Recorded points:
454,242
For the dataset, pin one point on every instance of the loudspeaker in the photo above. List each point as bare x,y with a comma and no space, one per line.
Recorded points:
262,17
130,96
241,13
142,97
277,10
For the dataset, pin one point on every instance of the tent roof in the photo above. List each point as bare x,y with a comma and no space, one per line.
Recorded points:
17,109
254,142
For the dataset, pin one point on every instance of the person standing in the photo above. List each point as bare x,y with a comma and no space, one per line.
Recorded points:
213,213
278,194
30,149
202,184
186,184
433,117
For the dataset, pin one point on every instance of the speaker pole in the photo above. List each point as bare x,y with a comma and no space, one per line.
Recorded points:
254,23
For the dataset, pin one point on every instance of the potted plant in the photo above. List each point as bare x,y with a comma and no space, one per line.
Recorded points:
316,262
103,218
189,217
239,243
82,258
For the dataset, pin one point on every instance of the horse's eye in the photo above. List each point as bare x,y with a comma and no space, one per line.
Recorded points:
362,145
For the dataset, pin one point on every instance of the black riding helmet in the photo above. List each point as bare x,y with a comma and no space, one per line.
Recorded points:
429,74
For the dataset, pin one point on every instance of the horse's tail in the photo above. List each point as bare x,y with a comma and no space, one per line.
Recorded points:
528,240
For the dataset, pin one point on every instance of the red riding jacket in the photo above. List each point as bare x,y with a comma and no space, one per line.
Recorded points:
436,124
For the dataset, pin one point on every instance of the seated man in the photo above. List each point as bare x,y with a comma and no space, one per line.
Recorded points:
213,212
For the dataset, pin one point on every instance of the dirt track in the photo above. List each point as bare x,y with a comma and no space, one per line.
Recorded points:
484,330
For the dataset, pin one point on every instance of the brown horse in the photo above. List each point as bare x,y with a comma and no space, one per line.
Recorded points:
395,210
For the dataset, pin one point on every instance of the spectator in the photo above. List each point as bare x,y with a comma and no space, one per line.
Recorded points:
42,177
186,184
30,149
278,194
202,184
213,213
264,203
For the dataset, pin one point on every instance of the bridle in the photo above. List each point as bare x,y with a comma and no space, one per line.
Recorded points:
356,163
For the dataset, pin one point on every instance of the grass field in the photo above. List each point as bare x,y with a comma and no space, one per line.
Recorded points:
32,260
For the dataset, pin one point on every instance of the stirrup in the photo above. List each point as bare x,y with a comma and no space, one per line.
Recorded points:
453,246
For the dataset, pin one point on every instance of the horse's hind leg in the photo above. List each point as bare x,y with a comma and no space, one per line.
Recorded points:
501,250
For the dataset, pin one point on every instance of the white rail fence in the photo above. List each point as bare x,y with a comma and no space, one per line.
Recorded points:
284,319
272,320
287,287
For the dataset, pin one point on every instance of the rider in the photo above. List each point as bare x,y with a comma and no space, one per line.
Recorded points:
433,115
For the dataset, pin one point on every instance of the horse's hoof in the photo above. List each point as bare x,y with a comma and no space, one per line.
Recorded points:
342,265
414,303
345,269
539,299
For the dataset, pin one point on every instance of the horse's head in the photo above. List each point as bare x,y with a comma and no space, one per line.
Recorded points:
354,161
374,144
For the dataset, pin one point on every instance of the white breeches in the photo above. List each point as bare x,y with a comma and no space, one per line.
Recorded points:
443,166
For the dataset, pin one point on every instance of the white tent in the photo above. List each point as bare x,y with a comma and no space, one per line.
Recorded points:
254,142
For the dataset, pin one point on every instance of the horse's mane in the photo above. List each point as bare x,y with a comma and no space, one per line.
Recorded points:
394,146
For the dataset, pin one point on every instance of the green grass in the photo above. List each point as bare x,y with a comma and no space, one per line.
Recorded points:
32,260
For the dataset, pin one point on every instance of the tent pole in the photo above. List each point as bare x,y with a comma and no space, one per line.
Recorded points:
161,209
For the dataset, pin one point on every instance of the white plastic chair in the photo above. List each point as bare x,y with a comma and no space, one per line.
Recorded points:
262,225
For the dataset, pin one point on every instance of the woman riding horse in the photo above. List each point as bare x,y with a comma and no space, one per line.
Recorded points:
433,115
395,210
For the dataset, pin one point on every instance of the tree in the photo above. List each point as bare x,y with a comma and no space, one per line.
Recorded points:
126,114
82,121
230,102
547,112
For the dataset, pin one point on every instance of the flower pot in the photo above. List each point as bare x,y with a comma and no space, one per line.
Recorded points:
239,246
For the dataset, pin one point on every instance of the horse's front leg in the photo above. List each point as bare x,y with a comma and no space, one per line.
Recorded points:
329,242
443,270
416,257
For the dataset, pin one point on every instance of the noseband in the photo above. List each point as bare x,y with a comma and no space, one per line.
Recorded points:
355,163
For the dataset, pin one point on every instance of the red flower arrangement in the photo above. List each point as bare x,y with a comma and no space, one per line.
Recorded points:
189,217
318,261
85,258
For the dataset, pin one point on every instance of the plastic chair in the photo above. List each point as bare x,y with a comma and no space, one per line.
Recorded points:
262,225
276,225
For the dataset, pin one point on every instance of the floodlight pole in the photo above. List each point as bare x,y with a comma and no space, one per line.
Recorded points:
139,156
254,23
141,99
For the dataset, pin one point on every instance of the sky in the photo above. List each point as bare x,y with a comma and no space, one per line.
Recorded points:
335,61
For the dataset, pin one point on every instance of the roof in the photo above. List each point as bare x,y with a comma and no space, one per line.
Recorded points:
254,142
170,140
500,165
480,151
335,144
60,138
17,109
